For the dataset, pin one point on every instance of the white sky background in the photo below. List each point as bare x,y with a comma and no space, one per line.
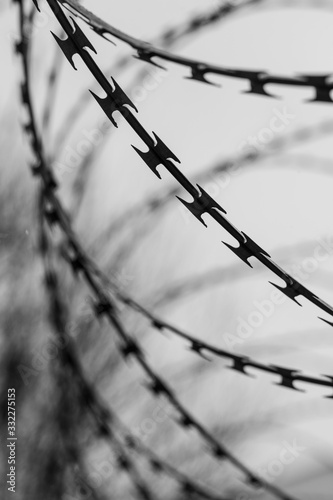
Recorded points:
277,203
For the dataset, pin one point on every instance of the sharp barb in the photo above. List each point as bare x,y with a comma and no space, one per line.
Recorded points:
70,46
203,203
158,154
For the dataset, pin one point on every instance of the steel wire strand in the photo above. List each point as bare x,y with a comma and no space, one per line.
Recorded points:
258,80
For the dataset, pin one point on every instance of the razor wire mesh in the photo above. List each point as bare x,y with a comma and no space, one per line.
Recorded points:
108,299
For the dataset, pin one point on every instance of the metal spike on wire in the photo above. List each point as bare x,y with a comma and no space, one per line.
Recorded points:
257,80
159,154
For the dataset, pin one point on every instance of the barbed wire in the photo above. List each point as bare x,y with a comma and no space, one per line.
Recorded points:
159,154
81,262
98,411
212,277
166,39
240,363
145,215
169,37
155,204
68,438
103,306
105,415
129,347
105,418
258,80
58,313
58,319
